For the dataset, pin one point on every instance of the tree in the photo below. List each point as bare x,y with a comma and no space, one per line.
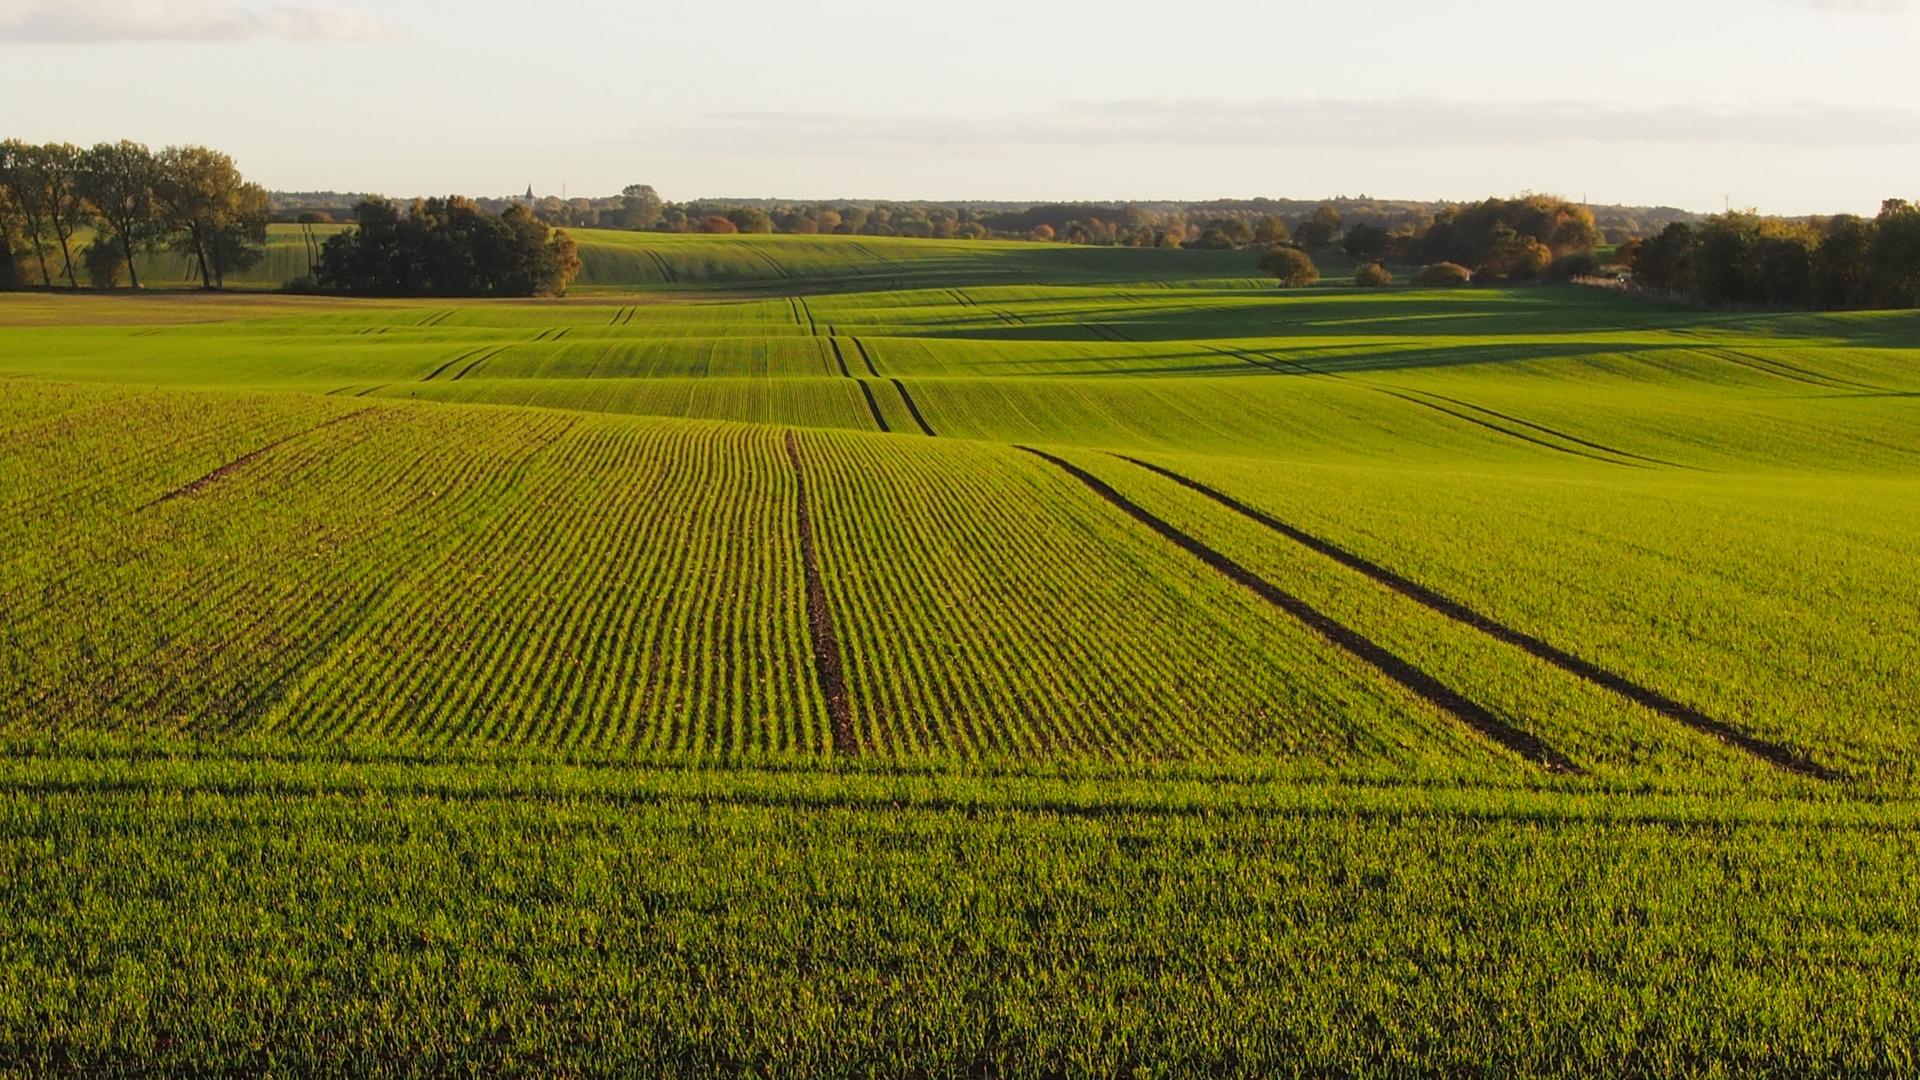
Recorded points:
1214,238
311,237
1270,231
1468,235
641,206
10,223
1443,275
1743,258
1292,267
1365,241
39,179
1664,262
1236,231
1893,256
714,223
118,180
1319,229
59,165
1372,275
1512,256
103,262
747,219
447,247
563,264
219,220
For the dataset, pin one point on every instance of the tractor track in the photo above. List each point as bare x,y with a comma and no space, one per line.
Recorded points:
873,406
241,462
1772,753
1407,675
912,408
826,648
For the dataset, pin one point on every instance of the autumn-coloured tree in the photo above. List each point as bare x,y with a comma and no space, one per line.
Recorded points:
1290,266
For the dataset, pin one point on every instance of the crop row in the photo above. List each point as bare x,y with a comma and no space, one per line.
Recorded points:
389,933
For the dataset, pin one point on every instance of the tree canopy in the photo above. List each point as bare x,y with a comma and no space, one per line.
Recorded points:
447,247
188,198
1742,258
1290,266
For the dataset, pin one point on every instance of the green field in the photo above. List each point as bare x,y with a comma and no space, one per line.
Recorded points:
852,656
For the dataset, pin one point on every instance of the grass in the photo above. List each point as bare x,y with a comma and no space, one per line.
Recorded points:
405,688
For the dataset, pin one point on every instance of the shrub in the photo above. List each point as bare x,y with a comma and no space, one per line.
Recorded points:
1215,240
1365,241
105,266
1443,275
1291,266
1373,275
749,220
717,224
1577,264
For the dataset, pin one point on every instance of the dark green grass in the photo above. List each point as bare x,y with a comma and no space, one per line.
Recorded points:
169,918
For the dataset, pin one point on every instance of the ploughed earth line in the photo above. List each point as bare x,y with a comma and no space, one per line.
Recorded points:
241,462
826,648
1412,678
1772,753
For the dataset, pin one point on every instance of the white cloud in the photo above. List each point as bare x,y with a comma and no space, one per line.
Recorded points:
181,20
1409,123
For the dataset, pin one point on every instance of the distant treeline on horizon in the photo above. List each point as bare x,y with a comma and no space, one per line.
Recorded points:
639,207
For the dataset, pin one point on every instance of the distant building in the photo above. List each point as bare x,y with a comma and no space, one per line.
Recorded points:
529,194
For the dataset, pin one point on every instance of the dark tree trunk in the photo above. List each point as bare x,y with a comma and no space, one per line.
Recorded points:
126,247
66,259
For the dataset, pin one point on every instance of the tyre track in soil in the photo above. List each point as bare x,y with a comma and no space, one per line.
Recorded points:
1387,663
866,391
912,408
826,649
1772,753
1555,432
241,462
1295,367
866,358
873,406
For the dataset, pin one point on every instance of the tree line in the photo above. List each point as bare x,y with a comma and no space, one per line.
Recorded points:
446,247
132,202
1829,264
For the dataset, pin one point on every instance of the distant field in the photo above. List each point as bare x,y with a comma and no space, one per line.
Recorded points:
856,657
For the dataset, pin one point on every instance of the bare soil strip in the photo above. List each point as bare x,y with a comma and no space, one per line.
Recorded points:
871,370
812,327
911,407
826,649
244,460
1771,753
1387,663
839,357
873,406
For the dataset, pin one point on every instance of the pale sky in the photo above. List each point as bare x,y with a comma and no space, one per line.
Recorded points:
1791,106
